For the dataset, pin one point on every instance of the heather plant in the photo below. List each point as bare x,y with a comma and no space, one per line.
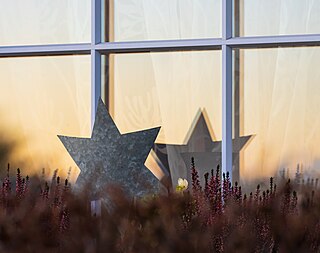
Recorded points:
40,216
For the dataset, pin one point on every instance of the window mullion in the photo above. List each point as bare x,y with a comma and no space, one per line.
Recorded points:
95,57
227,88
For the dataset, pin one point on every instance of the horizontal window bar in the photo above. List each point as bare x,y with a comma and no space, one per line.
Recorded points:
36,50
275,41
158,46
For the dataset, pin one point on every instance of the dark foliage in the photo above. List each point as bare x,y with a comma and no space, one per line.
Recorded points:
37,216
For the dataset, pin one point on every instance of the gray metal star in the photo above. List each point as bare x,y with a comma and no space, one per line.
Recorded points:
109,157
206,152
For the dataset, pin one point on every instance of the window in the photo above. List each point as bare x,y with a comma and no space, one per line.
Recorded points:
135,20
40,98
44,22
274,17
164,60
278,96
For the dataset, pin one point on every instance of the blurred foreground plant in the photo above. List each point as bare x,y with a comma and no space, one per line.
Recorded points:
40,216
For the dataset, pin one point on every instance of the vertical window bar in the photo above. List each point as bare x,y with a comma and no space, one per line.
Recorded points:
237,27
95,22
95,57
107,22
226,88
226,19
95,82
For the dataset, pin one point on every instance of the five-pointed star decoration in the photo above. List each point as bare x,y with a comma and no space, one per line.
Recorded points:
109,157
206,152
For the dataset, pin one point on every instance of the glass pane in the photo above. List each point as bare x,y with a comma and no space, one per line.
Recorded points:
132,20
278,17
279,100
44,22
170,90
39,99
